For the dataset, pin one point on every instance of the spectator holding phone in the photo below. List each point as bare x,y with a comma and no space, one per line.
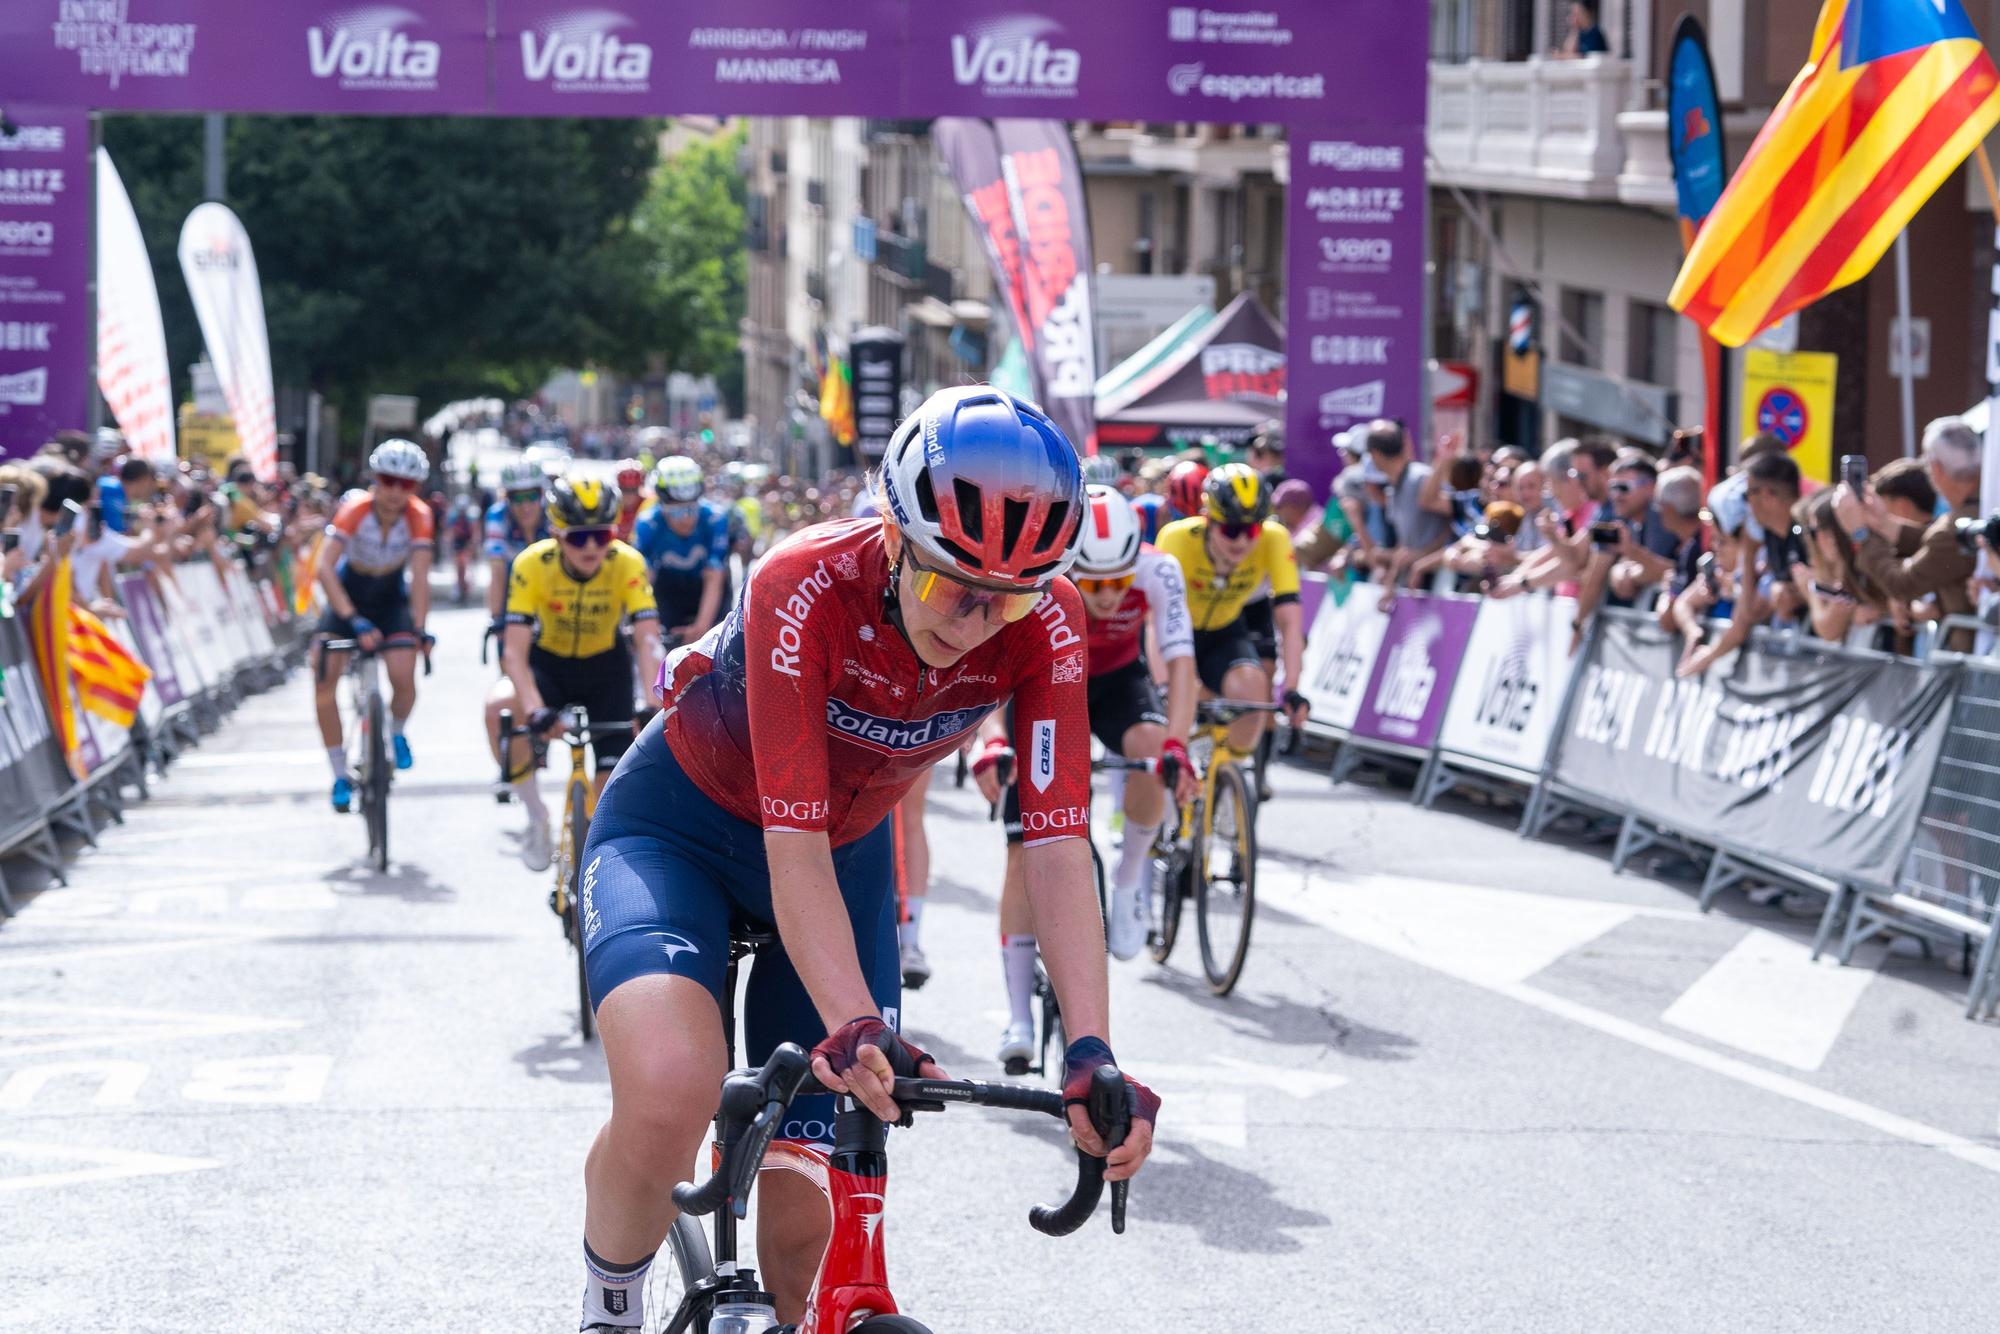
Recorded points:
1764,590
1922,564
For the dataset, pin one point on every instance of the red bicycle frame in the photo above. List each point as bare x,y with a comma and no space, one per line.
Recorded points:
853,1278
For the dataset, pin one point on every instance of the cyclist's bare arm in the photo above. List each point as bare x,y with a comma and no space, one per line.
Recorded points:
329,578
812,923
711,601
646,643
1289,620
420,587
514,646
497,572
1183,694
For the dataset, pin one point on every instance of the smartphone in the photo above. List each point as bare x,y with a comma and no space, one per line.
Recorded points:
8,541
94,529
7,494
71,513
1854,470
1605,535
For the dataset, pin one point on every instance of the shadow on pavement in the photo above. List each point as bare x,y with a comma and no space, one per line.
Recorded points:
410,883
1278,1019
564,1057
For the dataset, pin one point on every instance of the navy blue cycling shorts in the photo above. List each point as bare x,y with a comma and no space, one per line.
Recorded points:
664,872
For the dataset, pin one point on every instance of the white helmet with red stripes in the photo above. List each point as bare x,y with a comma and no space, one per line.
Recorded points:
1110,534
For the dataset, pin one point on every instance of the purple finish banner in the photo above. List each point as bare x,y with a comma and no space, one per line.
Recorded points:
1415,669
149,628
417,57
1294,60
644,58
46,333
1354,289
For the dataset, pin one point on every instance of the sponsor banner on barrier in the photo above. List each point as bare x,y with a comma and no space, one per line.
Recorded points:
149,630
32,773
642,58
1511,683
1339,654
1816,758
1414,670
46,335
1354,302
348,56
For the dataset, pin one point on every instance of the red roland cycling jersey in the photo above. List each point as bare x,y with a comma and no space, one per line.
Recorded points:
806,709
1157,587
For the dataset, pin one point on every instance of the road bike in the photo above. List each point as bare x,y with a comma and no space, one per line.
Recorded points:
851,1292
1209,853
368,750
579,804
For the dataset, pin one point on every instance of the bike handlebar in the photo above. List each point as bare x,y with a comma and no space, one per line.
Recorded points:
1228,710
754,1104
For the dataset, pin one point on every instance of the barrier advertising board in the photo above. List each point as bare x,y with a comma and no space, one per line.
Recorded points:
1815,757
1339,653
1511,683
1414,670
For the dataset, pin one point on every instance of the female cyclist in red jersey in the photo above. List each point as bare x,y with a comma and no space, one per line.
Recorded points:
862,652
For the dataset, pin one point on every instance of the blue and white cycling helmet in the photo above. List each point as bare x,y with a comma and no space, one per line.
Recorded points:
677,480
399,458
983,484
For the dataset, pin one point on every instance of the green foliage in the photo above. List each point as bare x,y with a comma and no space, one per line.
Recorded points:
448,257
691,220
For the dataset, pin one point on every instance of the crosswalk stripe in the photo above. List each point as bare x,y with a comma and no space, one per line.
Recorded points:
1768,997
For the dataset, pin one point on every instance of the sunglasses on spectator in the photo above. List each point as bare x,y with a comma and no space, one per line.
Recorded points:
522,497
957,600
1116,583
394,483
1622,488
580,538
1235,532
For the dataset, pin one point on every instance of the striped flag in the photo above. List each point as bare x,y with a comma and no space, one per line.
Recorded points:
48,631
1894,96
109,680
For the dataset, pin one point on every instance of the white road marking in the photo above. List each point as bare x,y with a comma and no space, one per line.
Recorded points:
118,1082
103,903
1768,997
230,759
1291,892
105,1164
1488,936
30,959
32,1027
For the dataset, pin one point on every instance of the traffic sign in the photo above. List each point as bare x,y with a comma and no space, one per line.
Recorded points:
1790,395
1781,412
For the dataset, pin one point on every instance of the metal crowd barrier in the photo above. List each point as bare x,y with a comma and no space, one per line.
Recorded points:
208,638
1903,771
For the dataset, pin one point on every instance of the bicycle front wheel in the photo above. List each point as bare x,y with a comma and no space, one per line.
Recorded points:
1227,888
575,834
891,1324
375,783
1173,872
681,1264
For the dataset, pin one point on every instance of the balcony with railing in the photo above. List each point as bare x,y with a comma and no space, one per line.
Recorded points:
1531,126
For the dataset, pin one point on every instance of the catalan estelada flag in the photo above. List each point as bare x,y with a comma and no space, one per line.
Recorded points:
48,631
836,401
1893,97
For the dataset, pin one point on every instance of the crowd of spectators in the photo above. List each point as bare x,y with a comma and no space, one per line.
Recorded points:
87,500
1877,561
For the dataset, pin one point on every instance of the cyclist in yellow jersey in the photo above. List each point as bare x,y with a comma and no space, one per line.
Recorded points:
1227,553
567,598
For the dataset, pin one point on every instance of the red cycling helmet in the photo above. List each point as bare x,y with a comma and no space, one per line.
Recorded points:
1184,487
984,485
631,477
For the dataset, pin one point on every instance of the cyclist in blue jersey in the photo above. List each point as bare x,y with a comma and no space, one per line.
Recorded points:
685,540
512,523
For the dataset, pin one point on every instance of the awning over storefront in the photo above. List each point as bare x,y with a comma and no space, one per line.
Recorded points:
1219,381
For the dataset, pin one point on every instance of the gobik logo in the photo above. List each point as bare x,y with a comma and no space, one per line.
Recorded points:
367,50
580,51
1012,57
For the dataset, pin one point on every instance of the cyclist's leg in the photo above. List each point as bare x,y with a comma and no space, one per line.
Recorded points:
1226,661
792,1224
1017,942
328,668
604,688
913,872
1247,680
655,917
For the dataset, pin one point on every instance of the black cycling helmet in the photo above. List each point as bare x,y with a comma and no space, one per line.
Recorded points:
1236,494
581,502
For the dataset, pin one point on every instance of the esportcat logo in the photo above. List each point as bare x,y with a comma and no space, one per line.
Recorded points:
366,50
1011,57
579,51
1185,79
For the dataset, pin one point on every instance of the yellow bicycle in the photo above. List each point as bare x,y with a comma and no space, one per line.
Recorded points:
579,804
1211,855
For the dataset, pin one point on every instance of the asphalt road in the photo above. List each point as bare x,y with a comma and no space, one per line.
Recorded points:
1469,1082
